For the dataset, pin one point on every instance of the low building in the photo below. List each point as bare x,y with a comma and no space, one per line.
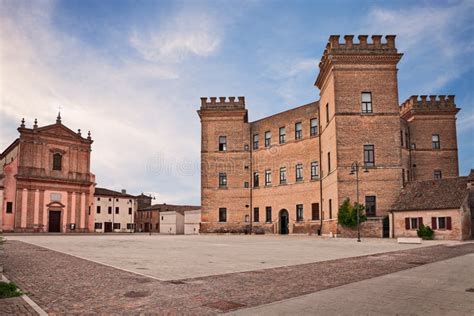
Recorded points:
148,218
192,222
114,211
445,205
172,222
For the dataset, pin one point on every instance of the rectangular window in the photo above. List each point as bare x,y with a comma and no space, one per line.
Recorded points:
282,135
329,163
98,226
299,172
327,113
298,131
110,210
437,174
255,141
256,215
255,180
407,141
314,170
369,156
130,226
435,141
246,184
129,211
268,138
222,180
57,161
222,214
313,123
117,210
9,207
116,225
268,214
222,143
441,222
98,209
414,223
98,199
315,211
370,209
330,208
299,212
366,102
401,138
268,177
282,175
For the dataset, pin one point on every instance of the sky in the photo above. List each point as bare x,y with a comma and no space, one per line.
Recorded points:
132,72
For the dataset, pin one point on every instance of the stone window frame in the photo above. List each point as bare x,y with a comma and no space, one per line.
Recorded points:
222,180
366,105
256,214
255,141
268,177
314,170
222,143
283,175
268,138
313,129
282,136
435,141
222,215
369,155
268,214
298,131
299,213
368,201
256,180
299,172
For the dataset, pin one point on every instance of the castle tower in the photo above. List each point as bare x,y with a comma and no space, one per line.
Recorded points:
429,137
359,116
225,159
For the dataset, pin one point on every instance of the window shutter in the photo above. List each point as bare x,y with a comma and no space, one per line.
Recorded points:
448,223
433,223
407,223
420,221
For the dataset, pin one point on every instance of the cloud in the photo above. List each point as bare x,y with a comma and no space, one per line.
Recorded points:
187,34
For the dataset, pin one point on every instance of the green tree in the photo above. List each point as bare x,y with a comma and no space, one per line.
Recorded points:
347,215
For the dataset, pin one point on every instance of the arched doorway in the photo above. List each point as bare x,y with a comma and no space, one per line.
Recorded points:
283,219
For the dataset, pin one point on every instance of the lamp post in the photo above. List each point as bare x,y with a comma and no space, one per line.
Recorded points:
355,170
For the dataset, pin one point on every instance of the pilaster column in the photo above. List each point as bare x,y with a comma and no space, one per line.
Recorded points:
24,206
83,210
73,208
36,212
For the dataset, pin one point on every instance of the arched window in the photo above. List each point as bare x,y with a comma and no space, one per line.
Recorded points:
57,159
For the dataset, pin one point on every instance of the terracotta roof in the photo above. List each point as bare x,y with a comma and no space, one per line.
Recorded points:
107,192
169,207
446,193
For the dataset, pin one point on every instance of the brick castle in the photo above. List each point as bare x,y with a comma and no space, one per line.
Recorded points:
289,172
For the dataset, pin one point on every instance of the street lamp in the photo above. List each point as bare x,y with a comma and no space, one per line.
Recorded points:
355,170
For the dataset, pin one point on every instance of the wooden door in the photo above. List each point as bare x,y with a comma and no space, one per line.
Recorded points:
54,221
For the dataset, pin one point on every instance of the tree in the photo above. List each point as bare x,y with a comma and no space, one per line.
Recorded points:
347,215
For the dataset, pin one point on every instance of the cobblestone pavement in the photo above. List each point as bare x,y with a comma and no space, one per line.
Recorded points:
61,283
15,306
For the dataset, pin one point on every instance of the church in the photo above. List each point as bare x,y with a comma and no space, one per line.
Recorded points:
45,180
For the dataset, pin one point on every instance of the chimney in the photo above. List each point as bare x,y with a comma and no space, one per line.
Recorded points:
124,191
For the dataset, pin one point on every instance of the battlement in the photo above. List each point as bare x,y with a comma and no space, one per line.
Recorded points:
223,103
434,103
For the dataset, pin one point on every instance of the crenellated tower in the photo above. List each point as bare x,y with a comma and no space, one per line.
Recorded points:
359,122
428,135
225,156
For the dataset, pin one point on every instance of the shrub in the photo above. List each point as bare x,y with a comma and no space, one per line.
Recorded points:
347,215
9,290
425,232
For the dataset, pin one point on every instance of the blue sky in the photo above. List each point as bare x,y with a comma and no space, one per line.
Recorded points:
132,72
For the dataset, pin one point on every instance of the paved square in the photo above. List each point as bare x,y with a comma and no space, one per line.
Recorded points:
178,257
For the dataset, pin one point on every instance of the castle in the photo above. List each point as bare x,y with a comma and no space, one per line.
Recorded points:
289,172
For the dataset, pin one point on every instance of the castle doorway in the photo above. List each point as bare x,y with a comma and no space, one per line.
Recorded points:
283,220
54,222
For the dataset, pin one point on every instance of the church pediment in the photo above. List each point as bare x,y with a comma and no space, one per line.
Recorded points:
59,130
55,204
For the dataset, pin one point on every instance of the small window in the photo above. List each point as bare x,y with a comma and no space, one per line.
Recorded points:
246,147
330,208
110,210
116,225
366,102
110,199
281,135
314,170
401,138
299,212
57,161
313,123
98,226
299,172
327,113
255,180
369,156
315,211
268,214
222,143
222,180
255,141
98,209
247,218
246,184
98,199
329,163
282,175
222,214
9,207
437,174
268,138
414,223
256,214
441,222
116,200
130,226
117,210
298,131
129,211
370,209
435,141
268,177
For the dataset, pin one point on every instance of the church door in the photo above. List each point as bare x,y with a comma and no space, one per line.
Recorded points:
54,221
283,222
